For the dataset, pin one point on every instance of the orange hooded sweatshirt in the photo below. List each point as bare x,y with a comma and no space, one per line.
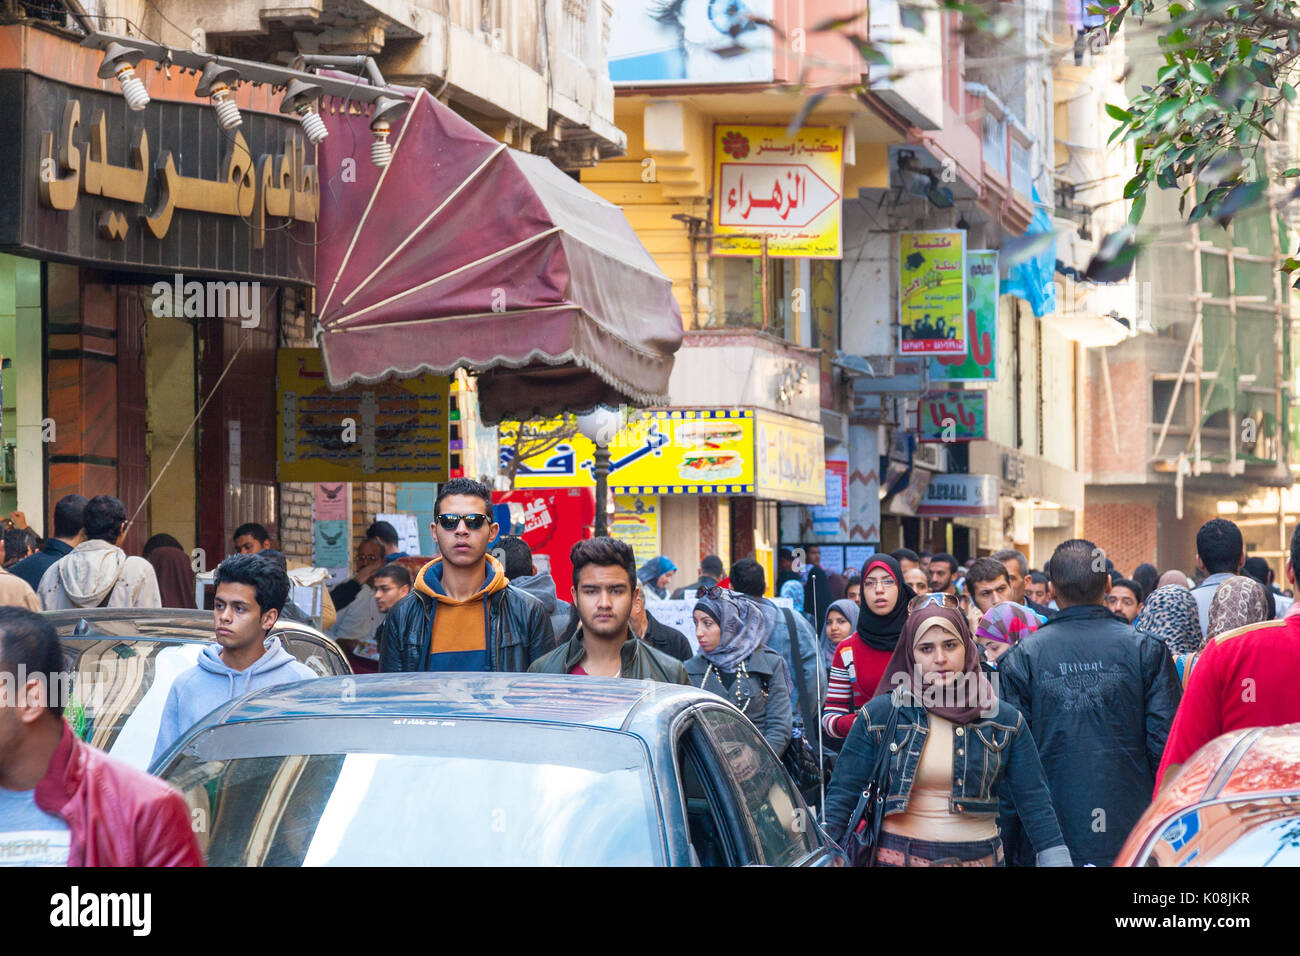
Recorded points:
459,641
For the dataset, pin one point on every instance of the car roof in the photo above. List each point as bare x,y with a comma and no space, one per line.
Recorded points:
148,623
611,703
1240,762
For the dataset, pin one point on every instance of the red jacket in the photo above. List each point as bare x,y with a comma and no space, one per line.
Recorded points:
116,815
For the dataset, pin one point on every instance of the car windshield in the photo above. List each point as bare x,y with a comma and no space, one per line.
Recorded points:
1232,833
419,792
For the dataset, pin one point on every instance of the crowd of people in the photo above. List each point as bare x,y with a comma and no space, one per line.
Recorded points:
1004,715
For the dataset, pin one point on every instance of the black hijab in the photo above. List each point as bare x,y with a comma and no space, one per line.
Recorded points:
881,631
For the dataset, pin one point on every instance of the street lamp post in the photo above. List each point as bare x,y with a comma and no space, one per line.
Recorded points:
600,425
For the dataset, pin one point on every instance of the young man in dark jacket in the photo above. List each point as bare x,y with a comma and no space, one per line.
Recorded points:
63,802
462,614
604,581
1099,698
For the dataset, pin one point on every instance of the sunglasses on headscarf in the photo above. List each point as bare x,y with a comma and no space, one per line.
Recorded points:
937,598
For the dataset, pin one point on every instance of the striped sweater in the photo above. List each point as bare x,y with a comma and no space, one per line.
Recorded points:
856,669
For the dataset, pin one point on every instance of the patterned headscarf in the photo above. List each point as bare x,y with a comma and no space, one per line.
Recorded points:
1237,602
653,569
1170,613
1008,623
743,629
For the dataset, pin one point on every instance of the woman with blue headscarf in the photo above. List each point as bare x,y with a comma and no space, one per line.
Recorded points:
655,575
734,663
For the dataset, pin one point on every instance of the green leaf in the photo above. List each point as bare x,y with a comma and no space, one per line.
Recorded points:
1288,91
1200,72
1134,186
1139,205
1169,108
1293,171
1243,48
1118,113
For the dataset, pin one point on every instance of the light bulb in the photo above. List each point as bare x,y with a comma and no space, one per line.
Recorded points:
223,101
381,150
312,124
132,87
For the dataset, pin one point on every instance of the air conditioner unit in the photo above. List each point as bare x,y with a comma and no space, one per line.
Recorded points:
931,455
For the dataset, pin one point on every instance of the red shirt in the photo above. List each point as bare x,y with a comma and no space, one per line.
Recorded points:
577,669
1244,678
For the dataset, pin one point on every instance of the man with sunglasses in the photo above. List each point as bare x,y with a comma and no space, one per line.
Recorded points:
462,613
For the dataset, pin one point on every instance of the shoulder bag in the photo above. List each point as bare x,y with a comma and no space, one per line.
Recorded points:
864,825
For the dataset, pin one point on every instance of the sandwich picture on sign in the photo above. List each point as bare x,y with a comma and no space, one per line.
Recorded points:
710,464
709,434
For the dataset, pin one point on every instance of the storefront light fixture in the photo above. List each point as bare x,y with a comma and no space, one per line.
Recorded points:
216,82
387,109
301,98
121,62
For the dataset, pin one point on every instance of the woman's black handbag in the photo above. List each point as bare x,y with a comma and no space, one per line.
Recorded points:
800,762
864,825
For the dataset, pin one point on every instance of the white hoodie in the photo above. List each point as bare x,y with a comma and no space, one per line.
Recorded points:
94,569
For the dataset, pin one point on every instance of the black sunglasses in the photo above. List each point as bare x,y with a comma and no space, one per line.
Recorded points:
449,522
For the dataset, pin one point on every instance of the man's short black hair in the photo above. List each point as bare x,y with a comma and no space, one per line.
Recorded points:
253,530
1219,546
15,545
262,572
1131,585
748,577
384,533
69,515
602,552
464,486
395,573
985,569
1038,577
782,554
712,566
29,643
905,554
518,557
926,554
1006,554
1258,569
104,517
945,558
1072,573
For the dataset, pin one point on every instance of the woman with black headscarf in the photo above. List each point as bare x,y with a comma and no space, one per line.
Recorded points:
860,659
734,663
955,751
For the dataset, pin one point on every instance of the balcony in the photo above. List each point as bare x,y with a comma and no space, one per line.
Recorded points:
739,367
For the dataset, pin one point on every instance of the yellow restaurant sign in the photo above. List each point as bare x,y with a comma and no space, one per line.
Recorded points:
689,451
787,188
673,452
789,459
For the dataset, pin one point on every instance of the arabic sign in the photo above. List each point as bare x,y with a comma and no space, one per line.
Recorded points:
330,544
678,451
789,459
654,42
636,521
979,363
932,291
332,502
392,431
952,416
784,187
950,496
156,190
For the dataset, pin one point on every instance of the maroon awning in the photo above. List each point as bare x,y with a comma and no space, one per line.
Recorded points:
464,253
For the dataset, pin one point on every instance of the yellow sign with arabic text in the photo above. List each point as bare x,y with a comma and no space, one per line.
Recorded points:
787,188
789,459
667,452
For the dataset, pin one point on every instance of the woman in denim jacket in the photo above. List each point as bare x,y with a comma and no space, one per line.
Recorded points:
959,756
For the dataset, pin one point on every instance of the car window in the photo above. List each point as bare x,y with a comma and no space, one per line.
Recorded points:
1258,832
419,792
781,824
706,814
312,651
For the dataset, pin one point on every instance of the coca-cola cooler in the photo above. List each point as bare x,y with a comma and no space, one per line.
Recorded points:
551,521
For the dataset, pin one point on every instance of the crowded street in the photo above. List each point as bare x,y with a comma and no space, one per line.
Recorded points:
651,434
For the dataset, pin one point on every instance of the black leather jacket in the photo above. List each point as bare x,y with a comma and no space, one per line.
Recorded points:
995,770
1099,698
518,632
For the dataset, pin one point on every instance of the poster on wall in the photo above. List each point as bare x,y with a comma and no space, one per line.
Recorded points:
330,544
636,521
932,292
979,362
